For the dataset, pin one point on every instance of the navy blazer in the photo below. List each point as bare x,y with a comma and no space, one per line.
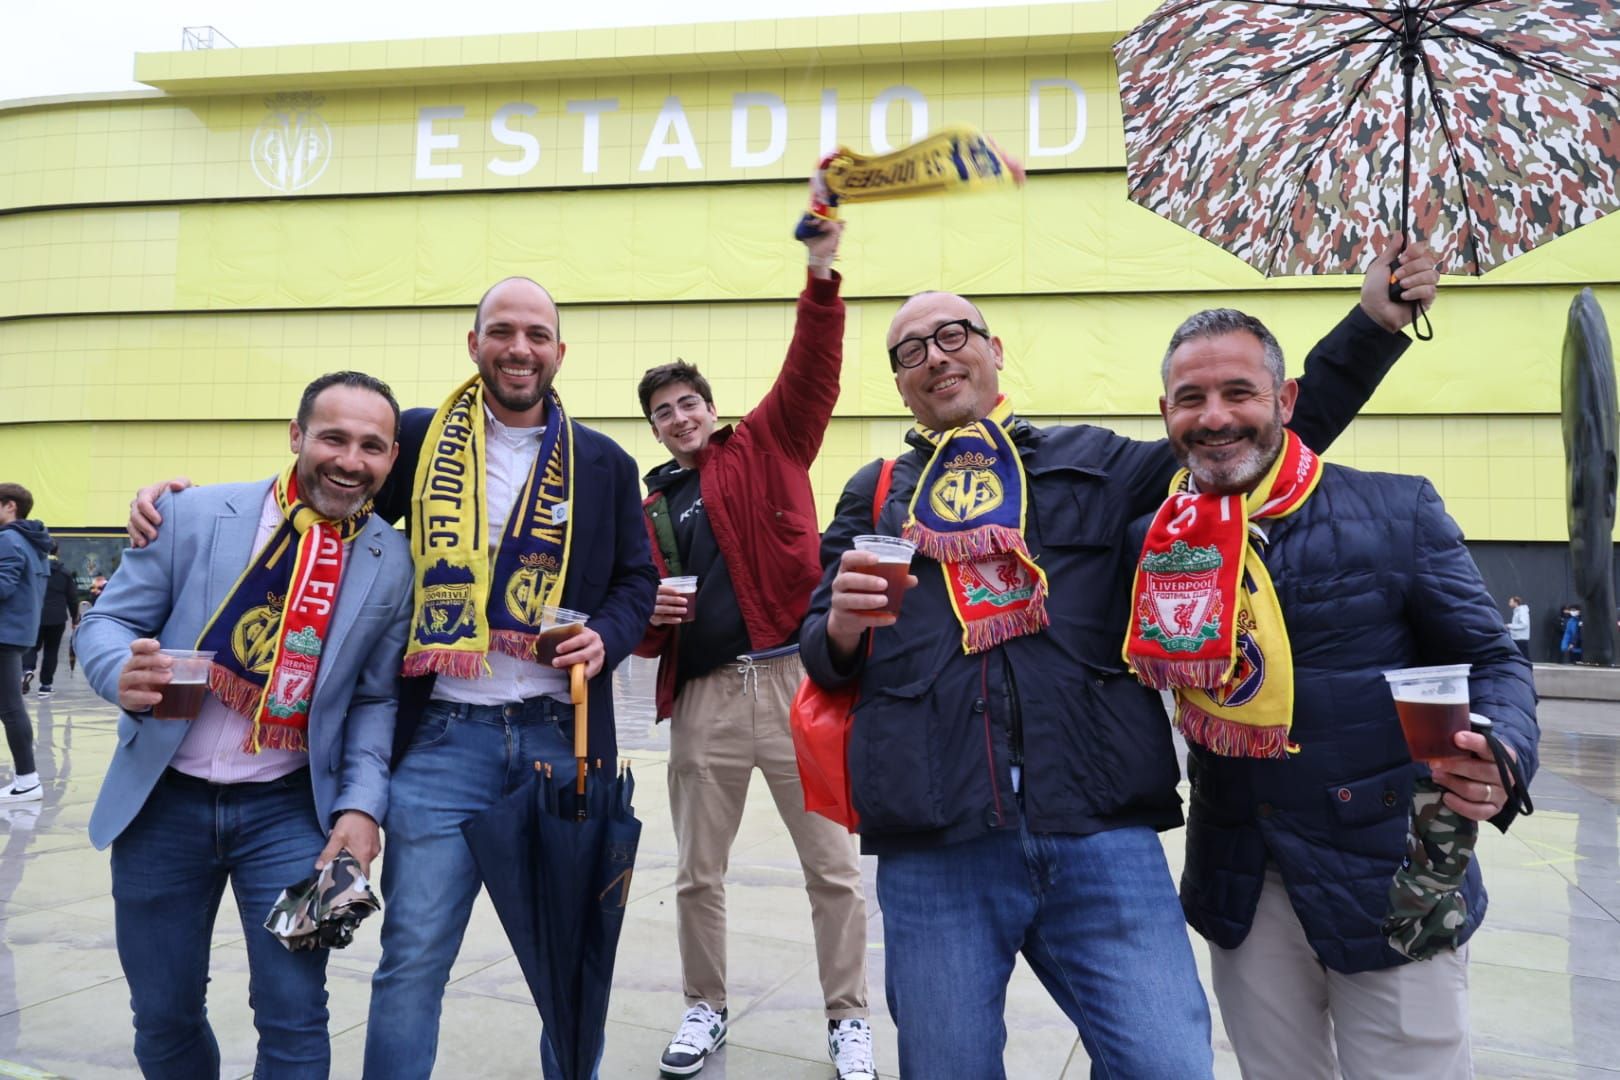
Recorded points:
611,576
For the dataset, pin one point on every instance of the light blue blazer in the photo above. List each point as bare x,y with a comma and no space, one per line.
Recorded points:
169,590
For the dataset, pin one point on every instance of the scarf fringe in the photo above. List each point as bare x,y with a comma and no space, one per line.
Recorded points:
514,643
1170,674
968,545
458,665
276,737
1232,738
982,635
238,694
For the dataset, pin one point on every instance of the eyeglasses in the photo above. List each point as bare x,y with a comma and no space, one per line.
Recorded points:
950,338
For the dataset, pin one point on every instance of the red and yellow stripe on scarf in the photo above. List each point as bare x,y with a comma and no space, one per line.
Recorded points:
268,635
1205,620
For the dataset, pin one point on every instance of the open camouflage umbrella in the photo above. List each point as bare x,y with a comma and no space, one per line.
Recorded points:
1294,133
556,856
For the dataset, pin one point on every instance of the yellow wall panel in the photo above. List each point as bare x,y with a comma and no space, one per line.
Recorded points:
1071,233
1499,352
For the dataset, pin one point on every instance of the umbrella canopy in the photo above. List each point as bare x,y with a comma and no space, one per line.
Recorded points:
559,886
1427,909
556,856
1293,134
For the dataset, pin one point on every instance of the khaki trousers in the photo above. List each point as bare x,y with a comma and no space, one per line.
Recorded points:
726,724
1285,1012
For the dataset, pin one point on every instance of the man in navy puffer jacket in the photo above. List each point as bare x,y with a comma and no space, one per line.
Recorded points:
1289,859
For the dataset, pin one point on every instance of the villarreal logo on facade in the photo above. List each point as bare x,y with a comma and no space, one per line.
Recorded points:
968,488
253,638
1180,604
527,588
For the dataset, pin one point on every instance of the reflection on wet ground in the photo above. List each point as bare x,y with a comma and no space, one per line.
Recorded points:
1545,972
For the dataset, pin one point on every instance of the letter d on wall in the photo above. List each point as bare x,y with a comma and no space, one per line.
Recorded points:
741,156
1036,148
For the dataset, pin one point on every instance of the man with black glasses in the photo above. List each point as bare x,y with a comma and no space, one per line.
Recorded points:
1008,771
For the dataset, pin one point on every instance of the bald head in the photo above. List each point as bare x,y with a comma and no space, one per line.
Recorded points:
516,288
932,300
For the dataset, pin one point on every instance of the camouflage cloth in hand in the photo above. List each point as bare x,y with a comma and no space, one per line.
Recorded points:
1427,907
322,911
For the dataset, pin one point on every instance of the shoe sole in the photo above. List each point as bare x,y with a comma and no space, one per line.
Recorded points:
696,1066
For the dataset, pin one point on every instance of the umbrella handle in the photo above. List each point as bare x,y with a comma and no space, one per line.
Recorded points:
579,694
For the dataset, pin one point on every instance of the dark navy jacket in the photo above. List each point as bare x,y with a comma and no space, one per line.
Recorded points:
930,749
1372,575
610,570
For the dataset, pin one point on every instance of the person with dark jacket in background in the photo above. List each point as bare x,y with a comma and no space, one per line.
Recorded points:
1008,772
61,607
735,509
1273,592
23,573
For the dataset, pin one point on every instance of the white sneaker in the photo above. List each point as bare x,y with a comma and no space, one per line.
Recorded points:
33,794
849,1044
702,1032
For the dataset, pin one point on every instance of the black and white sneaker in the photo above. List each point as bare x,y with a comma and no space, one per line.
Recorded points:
46,691
702,1032
849,1044
28,680
14,795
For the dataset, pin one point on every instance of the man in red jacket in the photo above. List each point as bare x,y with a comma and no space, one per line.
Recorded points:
735,509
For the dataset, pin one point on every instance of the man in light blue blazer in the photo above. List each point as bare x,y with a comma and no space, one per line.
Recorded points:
286,763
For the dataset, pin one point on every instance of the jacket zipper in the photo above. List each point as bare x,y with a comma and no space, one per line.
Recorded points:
989,742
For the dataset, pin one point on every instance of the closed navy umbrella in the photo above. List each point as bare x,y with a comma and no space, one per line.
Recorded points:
556,856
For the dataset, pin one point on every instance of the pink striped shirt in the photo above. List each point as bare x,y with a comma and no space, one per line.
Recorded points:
212,749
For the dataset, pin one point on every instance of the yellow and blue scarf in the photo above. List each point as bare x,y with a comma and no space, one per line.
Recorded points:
1205,620
470,599
268,634
967,514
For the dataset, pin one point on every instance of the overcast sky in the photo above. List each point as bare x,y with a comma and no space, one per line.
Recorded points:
91,46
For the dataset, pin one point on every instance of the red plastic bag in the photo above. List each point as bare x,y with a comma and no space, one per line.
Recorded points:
820,721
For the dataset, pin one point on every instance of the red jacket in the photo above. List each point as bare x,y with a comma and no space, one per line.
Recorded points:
755,481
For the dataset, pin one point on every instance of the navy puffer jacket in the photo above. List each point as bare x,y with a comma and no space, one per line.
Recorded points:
1372,575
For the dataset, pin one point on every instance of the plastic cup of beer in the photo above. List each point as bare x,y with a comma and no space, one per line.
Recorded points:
183,697
686,585
894,566
557,625
1432,703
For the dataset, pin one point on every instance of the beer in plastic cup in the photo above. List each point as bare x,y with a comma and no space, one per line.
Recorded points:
1432,703
686,585
556,626
894,566
188,684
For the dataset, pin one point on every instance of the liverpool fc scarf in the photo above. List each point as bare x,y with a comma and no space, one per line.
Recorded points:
967,514
1205,621
470,599
268,635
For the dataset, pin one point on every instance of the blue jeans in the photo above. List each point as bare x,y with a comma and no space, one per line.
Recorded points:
1096,918
169,869
461,760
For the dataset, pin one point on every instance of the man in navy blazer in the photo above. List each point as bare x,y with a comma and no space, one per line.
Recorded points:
186,806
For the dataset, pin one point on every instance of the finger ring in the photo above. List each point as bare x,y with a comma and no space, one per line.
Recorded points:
1489,791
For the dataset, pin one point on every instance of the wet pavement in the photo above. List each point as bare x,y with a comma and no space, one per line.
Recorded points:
1545,971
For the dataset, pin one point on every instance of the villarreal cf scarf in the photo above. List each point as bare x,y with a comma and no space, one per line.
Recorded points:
268,635
1205,621
470,599
967,514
